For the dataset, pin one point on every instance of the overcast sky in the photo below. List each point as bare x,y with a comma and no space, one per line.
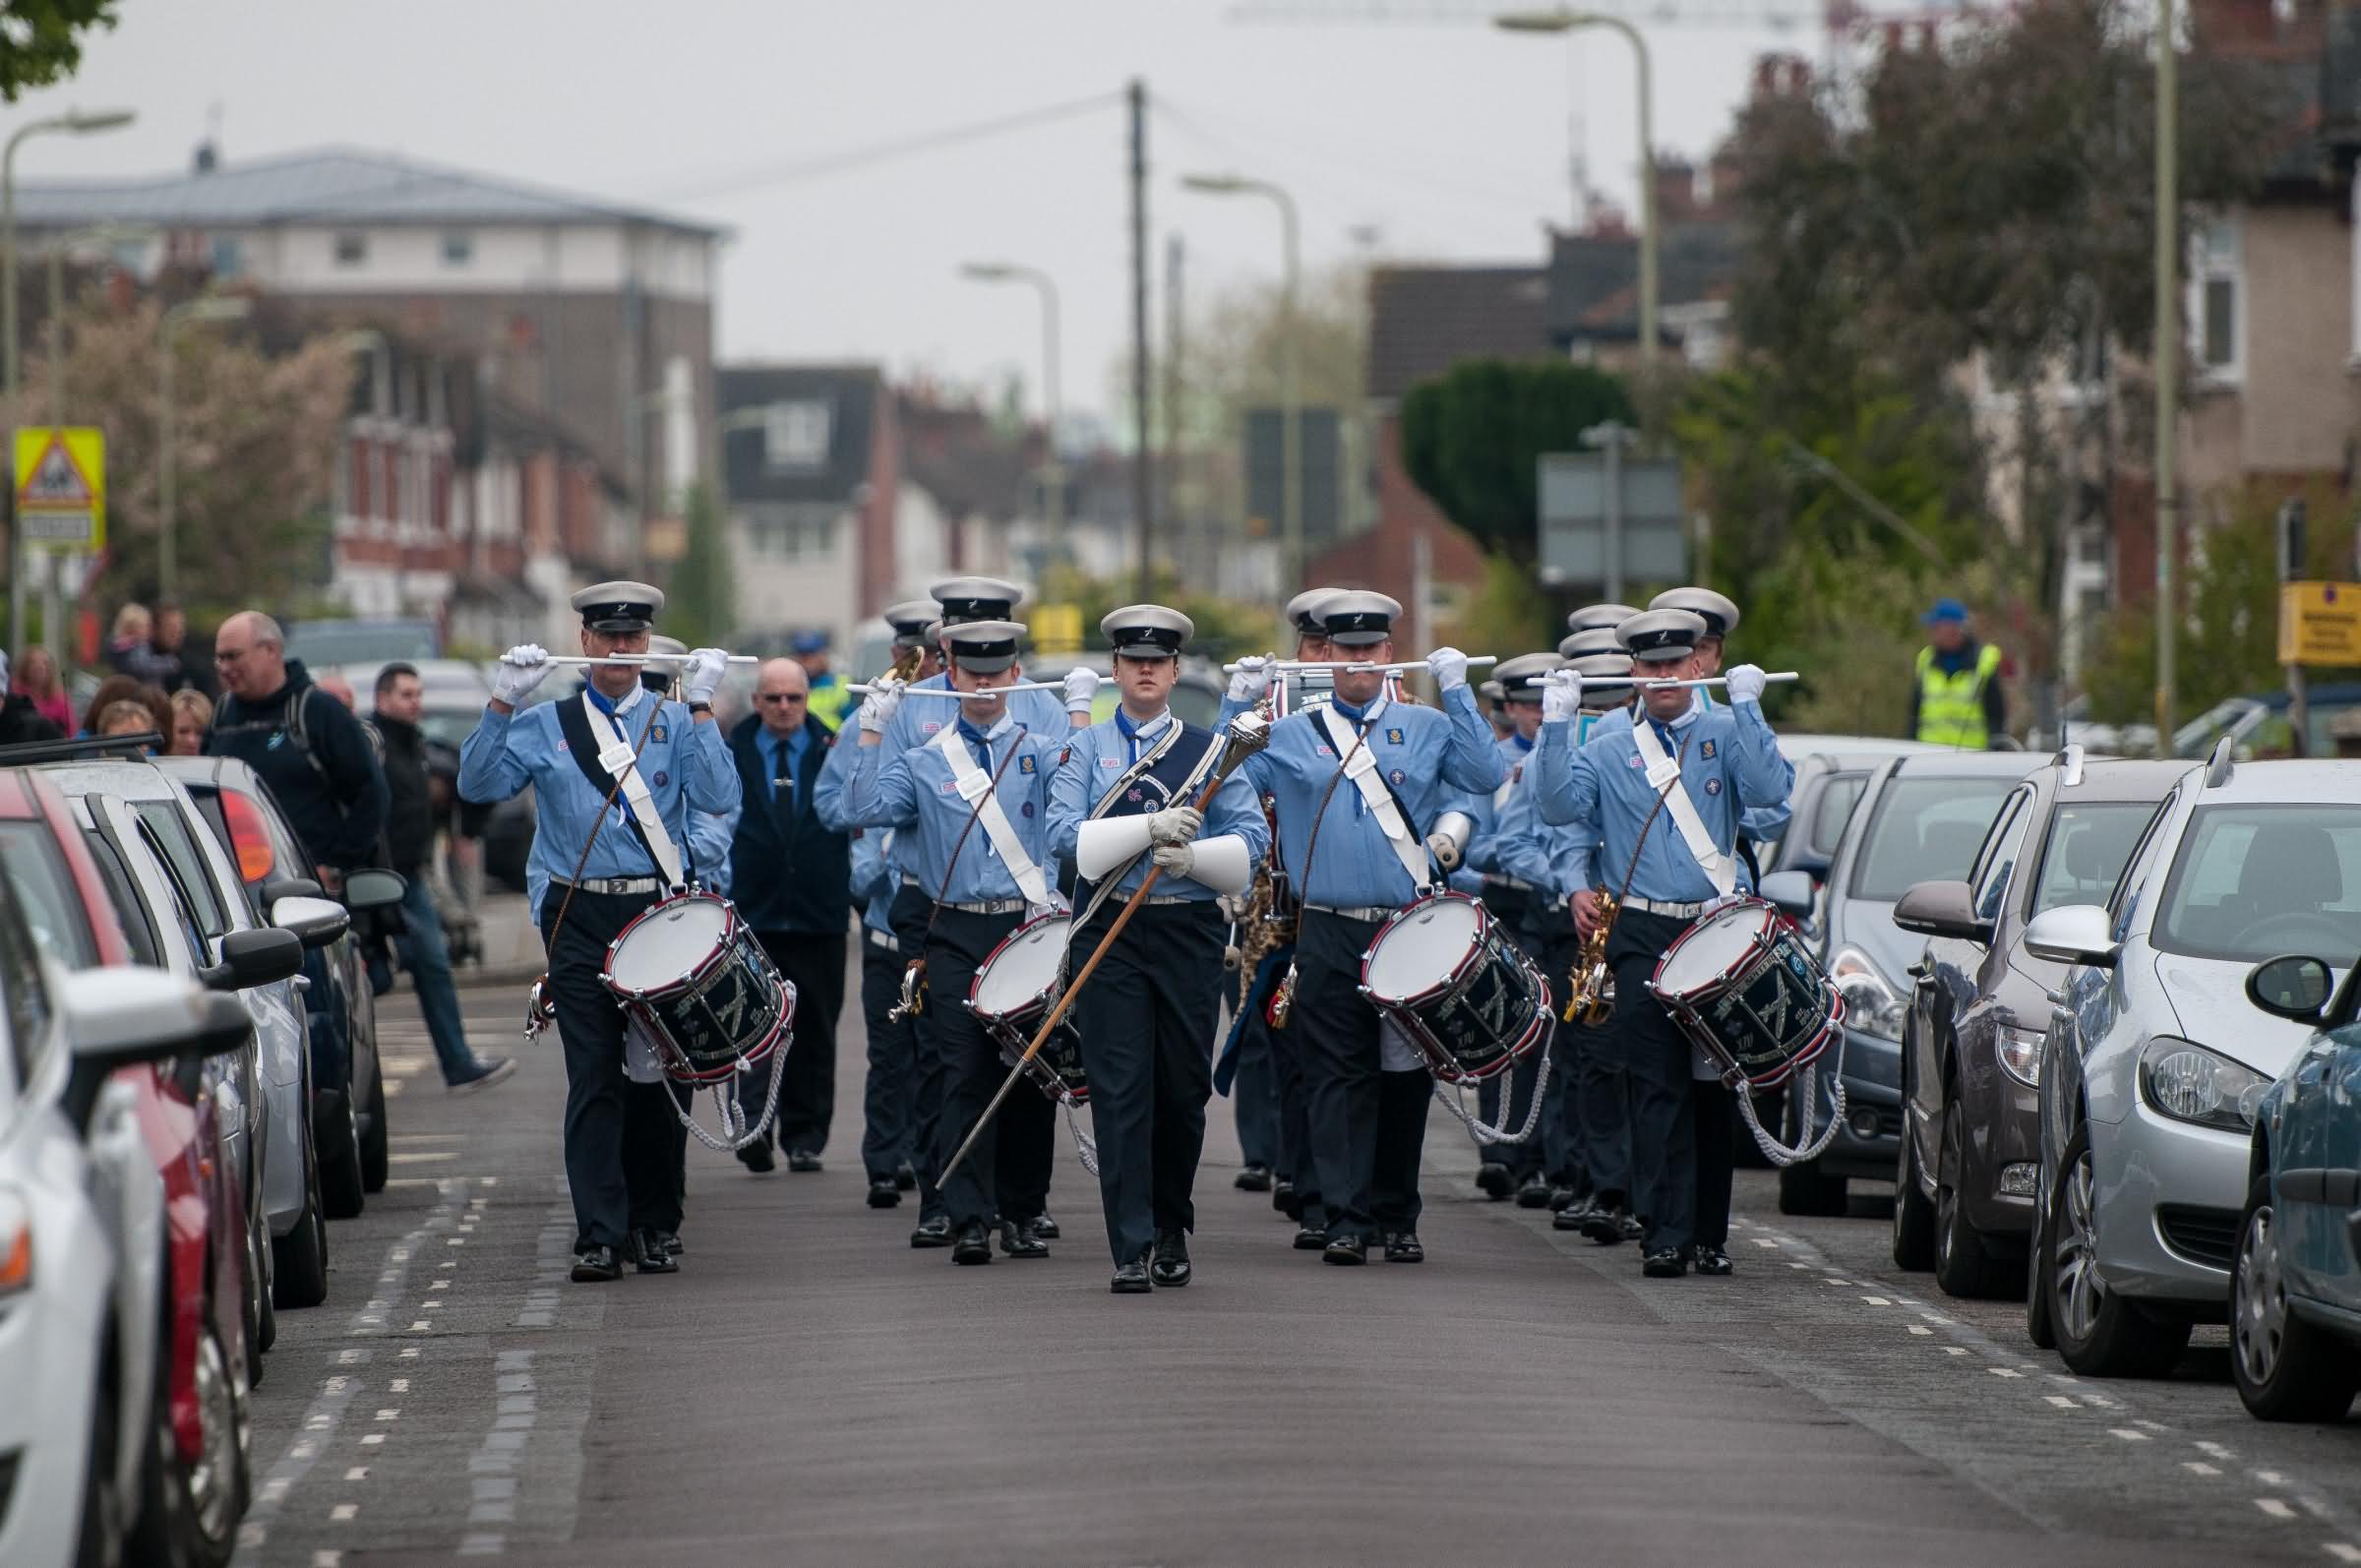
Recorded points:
1410,142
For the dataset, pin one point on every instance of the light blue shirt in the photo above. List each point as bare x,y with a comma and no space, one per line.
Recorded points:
1428,754
876,877
915,792
1097,757
918,720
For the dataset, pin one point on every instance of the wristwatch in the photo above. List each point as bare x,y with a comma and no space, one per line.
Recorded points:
695,708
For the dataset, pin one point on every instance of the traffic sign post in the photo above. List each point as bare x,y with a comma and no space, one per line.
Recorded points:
61,487
2320,622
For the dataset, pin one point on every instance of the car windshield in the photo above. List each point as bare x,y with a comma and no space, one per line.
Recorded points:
2089,843
2253,882
1926,830
44,892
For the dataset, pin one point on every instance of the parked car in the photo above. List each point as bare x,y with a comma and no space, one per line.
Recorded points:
1971,1037
2295,1286
2156,1057
329,641
1922,817
1830,772
348,1085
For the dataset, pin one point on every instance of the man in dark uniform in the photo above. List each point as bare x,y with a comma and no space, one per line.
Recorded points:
615,773
1124,800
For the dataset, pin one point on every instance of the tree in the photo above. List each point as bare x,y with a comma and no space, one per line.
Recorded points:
41,40
1474,438
701,609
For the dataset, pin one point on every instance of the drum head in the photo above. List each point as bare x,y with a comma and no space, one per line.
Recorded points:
1421,950
1024,970
668,945
1712,948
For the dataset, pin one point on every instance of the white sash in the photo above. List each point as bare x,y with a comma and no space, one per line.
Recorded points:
1664,775
975,788
1138,770
1361,766
621,761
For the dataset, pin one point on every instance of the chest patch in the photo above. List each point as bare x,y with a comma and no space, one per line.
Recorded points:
1633,763
1712,786
1324,750
930,726
1111,761
663,779
1394,737
655,733
1706,751
948,787
1024,765
1398,776
1028,808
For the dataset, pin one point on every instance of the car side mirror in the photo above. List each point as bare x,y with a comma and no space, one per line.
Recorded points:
1791,892
1812,863
251,958
127,1014
2072,933
278,888
374,888
2293,986
316,922
1942,909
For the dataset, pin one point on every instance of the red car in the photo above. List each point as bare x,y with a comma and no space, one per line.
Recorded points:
196,1471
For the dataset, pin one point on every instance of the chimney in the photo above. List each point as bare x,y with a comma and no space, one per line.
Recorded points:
1676,191
208,159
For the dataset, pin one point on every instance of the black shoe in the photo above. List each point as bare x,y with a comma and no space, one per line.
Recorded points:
1045,1226
973,1245
1607,1224
1560,1197
1253,1179
1171,1267
933,1229
802,1161
1665,1264
1283,1199
1572,1215
1131,1279
1493,1180
1534,1192
673,1246
1346,1249
1021,1238
1632,1227
883,1194
1310,1238
756,1157
1710,1260
1402,1247
595,1265
905,1177
648,1255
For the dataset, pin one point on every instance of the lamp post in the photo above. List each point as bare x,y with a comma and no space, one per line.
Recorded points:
1053,472
2169,363
74,122
215,308
1565,20
1291,398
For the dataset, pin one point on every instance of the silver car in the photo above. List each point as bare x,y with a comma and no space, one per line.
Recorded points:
2156,1060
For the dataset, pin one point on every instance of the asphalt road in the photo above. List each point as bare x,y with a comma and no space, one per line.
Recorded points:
809,1390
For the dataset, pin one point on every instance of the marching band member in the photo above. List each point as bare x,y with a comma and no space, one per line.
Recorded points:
1662,798
1597,618
970,811
1365,778
1123,798
620,1157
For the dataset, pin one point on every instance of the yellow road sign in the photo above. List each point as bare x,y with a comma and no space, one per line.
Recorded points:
2320,622
61,487
1057,628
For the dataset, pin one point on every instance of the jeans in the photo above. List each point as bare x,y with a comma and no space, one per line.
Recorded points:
429,964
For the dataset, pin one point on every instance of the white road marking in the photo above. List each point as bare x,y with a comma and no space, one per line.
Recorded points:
2004,1371
422,1326
440,1284
400,1385
390,1414
2130,1434
2061,1401
2344,1552
327,1560
1877,1301
2216,1451
2270,1477
2198,1466
343,1511
372,1439
422,1156
1763,1242
1920,1328
2276,1507
1955,1349
358,1473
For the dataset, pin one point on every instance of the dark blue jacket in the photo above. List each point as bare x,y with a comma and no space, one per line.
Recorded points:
319,761
788,872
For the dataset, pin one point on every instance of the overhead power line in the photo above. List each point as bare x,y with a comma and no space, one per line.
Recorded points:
886,152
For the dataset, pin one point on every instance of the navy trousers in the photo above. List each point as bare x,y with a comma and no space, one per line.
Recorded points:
1717,1112
1647,1058
1368,1127
1007,1174
890,1113
1254,1090
623,1146
814,965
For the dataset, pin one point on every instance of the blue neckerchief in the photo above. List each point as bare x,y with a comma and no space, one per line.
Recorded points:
1130,731
1523,743
1664,736
978,743
1352,715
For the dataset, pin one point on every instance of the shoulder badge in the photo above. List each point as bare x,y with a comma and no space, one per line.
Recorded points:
655,733
1393,737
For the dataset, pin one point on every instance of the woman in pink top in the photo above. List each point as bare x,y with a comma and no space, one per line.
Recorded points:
36,678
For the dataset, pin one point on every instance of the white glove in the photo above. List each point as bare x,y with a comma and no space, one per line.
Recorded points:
1177,859
1081,686
1745,684
518,671
1444,848
1449,667
1251,679
1561,695
1176,825
700,677
877,709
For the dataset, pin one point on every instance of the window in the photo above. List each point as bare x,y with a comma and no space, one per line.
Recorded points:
352,250
229,257
130,911
2218,299
2001,848
2252,881
2089,844
1926,829
44,892
22,994
458,249
1838,797
795,434
168,834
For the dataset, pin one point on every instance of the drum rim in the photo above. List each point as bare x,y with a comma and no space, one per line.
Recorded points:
976,980
1763,940
1458,975
1438,1055
729,938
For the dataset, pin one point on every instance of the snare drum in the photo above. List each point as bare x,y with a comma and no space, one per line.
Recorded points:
697,990
1742,984
1015,989
1458,986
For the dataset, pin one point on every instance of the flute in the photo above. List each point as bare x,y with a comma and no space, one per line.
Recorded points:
634,658
1590,681
987,690
1284,666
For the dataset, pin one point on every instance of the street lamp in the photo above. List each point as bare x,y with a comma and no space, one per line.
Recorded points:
74,122
214,308
2168,364
1290,410
1564,21
1053,470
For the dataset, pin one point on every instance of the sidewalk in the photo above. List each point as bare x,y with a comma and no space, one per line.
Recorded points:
511,946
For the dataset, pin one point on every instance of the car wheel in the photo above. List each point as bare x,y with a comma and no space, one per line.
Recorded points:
2099,1334
374,1162
340,1182
2287,1370
1964,1264
299,1259
1913,1216
191,1511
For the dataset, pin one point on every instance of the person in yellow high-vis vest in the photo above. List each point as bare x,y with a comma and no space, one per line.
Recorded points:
829,699
1957,700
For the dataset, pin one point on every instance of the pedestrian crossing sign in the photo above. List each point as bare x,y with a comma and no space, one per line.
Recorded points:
61,487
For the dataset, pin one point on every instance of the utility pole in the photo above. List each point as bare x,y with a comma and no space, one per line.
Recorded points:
1191,560
2168,360
1143,487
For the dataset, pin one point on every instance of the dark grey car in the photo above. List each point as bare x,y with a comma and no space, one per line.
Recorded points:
1972,1039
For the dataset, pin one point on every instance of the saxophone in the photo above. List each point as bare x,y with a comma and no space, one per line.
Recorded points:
1591,987
905,667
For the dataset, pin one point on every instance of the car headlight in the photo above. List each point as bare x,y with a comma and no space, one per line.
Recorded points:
2020,1052
1870,1004
16,1245
2189,1083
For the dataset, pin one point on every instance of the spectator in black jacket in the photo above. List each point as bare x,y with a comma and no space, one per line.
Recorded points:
19,720
308,747
793,883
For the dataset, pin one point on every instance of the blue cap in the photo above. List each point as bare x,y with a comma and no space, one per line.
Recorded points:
810,642
1945,610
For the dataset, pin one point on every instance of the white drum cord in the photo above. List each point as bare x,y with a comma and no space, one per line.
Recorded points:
1478,1128
1806,1085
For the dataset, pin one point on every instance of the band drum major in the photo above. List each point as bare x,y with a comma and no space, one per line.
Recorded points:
1742,984
697,990
1458,987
